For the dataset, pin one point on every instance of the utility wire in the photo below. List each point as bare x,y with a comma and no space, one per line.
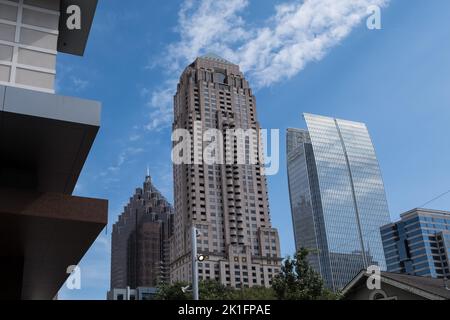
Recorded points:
370,233
434,199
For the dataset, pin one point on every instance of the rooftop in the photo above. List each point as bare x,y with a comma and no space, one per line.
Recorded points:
425,211
430,285
216,58
423,286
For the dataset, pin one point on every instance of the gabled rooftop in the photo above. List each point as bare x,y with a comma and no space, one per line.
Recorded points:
428,288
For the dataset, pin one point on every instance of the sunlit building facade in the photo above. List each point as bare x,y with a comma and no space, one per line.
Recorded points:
227,203
337,197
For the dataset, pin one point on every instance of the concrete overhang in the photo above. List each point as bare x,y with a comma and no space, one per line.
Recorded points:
41,235
74,41
44,142
44,139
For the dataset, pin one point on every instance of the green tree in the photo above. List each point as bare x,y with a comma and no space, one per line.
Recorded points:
213,290
173,292
298,281
208,290
254,293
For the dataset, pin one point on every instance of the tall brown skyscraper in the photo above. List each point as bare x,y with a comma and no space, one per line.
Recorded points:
140,240
228,203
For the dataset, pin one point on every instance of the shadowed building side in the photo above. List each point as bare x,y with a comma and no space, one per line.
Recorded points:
45,140
140,242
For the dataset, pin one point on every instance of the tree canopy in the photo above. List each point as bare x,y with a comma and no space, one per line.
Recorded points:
297,281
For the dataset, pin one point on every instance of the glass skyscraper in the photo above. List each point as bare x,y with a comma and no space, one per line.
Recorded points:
337,197
419,244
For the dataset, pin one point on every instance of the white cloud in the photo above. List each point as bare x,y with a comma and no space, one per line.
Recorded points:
161,104
79,84
206,24
135,137
298,32
123,157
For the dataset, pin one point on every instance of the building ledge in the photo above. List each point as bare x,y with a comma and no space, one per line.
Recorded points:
44,139
42,234
74,41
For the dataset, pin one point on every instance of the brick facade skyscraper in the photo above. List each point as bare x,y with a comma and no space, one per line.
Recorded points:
140,240
228,203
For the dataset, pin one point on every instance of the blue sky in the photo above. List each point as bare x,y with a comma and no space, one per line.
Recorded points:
316,57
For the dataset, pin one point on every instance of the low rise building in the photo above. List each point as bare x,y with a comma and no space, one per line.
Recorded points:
418,244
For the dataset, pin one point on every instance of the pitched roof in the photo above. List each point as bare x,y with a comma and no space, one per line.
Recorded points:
427,284
424,286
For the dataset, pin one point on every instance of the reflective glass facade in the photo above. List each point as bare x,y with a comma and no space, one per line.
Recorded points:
337,197
419,244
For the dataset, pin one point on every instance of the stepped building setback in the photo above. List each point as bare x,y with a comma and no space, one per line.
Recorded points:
140,243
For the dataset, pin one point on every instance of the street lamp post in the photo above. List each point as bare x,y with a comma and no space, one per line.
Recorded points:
194,263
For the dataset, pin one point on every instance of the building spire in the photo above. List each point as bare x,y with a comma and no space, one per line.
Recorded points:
147,177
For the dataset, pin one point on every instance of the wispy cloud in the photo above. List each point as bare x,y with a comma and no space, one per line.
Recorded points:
135,137
70,78
297,33
122,159
207,25
160,103
78,84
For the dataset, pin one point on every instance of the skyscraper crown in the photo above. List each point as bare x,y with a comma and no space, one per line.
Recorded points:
215,57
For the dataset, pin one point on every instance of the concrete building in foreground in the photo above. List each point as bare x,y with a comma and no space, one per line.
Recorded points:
140,244
227,202
419,244
44,142
32,32
337,197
